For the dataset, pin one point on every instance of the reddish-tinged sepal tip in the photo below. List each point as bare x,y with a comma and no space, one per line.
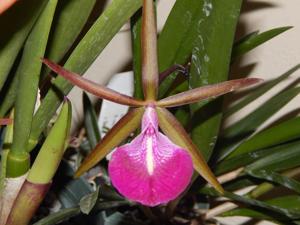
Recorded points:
5,121
151,169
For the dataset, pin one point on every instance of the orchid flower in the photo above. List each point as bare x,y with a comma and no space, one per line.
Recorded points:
153,168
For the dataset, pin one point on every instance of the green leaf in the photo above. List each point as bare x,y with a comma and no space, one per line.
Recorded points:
7,140
88,202
174,46
65,214
227,165
16,31
276,178
103,30
10,96
70,18
29,73
136,29
259,91
292,213
255,40
90,121
284,157
70,190
245,38
60,216
211,59
51,153
284,132
288,202
248,124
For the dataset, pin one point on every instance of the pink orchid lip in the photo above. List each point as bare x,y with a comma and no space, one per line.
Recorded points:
151,169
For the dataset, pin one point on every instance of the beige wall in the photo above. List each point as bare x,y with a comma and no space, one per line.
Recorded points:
271,59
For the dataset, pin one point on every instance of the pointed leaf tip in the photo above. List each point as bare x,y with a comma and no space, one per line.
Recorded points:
92,87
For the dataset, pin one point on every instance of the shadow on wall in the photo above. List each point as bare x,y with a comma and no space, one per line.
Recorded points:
238,71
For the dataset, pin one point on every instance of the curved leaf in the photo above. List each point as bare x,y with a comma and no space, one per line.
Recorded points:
88,202
248,124
255,40
284,157
227,165
283,211
90,121
259,91
70,18
62,215
174,46
276,178
16,31
284,132
288,202
52,150
211,59
29,74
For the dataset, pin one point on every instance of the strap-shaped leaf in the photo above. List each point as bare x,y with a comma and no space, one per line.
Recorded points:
259,92
278,178
126,125
250,122
289,212
70,18
95,40
281,133
92,87
285,202
16,31
255,40
205,92
51,153
149,51
173,129
90,121
283,157
28,72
